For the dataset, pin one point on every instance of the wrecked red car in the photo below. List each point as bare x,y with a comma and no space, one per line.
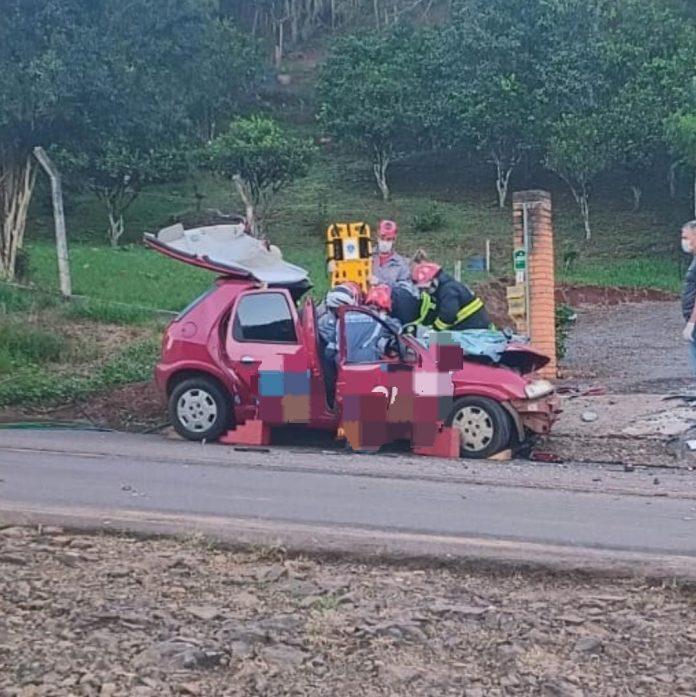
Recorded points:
247,352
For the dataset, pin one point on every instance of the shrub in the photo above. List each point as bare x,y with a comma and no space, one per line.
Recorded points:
429,218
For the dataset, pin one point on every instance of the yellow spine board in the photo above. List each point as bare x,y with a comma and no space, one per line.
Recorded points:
349,246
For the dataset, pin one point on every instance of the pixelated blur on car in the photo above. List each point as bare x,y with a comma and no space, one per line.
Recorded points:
243,352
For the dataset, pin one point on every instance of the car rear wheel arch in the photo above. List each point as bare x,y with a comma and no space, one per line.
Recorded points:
200,406
485,425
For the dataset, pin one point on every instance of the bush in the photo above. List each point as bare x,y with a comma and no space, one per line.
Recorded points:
29,385
26,345
429,218
565,317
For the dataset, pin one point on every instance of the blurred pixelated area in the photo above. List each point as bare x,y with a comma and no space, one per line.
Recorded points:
380,402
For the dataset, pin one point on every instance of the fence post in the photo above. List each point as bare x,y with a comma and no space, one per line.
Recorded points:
59,221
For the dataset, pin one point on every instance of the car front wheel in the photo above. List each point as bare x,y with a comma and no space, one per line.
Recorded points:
483,425
199,409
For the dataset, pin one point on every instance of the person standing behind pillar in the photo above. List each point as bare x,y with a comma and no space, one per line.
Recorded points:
688,242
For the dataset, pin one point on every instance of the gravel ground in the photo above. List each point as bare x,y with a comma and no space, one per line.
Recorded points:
631,348
84,615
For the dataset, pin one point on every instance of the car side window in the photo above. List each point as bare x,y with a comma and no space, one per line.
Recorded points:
264,317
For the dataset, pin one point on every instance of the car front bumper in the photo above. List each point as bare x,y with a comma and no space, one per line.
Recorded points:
538,415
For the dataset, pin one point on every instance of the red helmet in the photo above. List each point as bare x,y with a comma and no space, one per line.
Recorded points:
424,273
380,296
388,229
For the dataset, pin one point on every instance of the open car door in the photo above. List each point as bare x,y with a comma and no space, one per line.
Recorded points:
375,394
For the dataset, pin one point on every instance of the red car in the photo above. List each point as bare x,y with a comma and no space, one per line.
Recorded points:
243,352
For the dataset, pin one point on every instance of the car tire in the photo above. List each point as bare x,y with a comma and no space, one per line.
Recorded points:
199,409
483,424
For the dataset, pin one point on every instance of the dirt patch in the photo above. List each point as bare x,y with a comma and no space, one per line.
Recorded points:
136,407
115,616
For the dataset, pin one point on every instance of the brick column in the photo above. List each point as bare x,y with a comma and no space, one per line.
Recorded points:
540,322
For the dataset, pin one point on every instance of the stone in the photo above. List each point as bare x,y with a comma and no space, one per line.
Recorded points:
589,416
401,674
13,559
284,656
108,689
589,644
14,532
204,612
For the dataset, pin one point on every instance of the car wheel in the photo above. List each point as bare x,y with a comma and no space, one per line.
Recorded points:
200,409
483,425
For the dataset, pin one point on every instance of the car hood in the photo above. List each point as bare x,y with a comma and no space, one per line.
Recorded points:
524,358
229,251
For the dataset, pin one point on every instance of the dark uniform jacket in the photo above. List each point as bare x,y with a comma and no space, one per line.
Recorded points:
458,307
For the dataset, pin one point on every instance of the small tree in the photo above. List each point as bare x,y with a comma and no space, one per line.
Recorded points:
488,88
369,96
260,158
117,172
577,152
681,133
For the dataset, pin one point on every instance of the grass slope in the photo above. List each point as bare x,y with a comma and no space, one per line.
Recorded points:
51,352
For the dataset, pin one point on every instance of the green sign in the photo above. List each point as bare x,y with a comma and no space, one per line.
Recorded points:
520,259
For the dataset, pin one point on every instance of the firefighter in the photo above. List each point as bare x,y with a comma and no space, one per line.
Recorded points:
388,267
327,327
457,306
412,307
367,339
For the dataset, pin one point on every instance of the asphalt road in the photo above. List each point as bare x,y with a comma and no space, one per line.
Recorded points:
322,501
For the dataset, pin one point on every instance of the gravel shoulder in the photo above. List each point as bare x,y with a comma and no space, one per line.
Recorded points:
86,615
634,347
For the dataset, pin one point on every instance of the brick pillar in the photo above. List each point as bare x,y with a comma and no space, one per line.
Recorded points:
540,322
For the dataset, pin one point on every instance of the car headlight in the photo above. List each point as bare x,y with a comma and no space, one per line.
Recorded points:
538,388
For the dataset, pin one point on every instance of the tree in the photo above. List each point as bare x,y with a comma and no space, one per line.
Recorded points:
681,133
229,65
260,158
92,77
153,96
578,151
116,173
39,83
490,91
647,56
369,96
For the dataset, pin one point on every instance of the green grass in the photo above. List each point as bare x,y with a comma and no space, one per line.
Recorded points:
442,204
29,345
461,195
33,385
663,274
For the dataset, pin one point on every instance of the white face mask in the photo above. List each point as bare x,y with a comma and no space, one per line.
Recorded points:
686,247
384,246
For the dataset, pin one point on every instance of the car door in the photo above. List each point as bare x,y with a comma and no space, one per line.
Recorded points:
375,394
264,348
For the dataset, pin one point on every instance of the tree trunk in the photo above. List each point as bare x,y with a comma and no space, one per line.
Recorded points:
583,199
672,179
694,195
17,180
250,211
637,197
116,224
380,165
502,181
